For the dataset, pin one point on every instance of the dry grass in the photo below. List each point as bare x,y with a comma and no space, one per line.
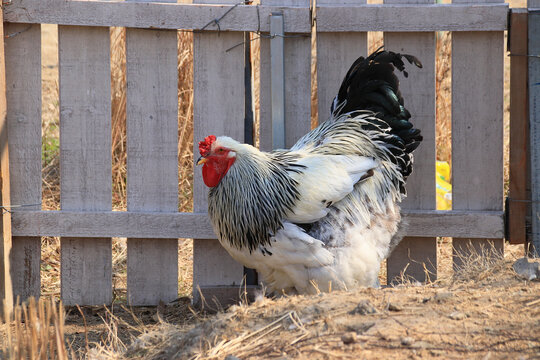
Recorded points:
34,330
118,105
477,264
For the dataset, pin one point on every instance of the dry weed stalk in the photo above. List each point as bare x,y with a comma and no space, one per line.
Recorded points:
111,347
35,330
185,120
478,263
443,87
118,109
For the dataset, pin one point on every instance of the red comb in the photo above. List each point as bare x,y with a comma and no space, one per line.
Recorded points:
204,146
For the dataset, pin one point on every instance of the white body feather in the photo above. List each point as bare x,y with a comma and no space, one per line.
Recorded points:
294,262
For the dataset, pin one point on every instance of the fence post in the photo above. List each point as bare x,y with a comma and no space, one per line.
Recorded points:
6,292
152,159
218,109
85,159
477,129
23,94
516,206
416,257
534,113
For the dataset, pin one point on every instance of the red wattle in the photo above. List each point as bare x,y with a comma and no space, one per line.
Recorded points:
215,169
210,176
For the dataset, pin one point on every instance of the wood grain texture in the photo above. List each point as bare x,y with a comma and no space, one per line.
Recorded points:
6,288
534,123
218,109
23,83
519,190
470,17
214,268
113,224
152,159
335,54
297,50
477,123
85,158
417,255
422,223
413,18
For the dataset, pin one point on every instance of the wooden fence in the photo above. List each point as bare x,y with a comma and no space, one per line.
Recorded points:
152,222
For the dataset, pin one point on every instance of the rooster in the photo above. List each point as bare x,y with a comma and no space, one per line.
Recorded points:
324,214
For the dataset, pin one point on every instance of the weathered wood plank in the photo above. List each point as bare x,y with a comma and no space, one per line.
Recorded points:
489,17
85,158
519,129
477,124
417,255
162,225
413,18
335,54
215,267
23,79
6,289
297,84
534,122
152,159
218,109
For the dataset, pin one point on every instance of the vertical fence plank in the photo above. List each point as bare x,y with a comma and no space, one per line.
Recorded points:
23,80
416,257
297,84
534,121
85,158
517,208
218,109
6,289
152,159
477,127
335,54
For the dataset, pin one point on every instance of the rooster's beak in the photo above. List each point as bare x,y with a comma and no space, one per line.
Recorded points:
201,160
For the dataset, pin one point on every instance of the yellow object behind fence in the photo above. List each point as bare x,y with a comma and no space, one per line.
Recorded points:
444,188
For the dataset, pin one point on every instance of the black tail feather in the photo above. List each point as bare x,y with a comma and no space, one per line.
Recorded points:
371,84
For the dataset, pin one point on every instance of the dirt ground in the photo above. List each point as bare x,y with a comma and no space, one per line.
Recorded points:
484,312
488,314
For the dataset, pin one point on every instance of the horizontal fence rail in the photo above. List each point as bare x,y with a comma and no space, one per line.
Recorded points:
432,17
421,223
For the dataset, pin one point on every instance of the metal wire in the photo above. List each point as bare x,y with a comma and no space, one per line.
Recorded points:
9,209
216,21
18,32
